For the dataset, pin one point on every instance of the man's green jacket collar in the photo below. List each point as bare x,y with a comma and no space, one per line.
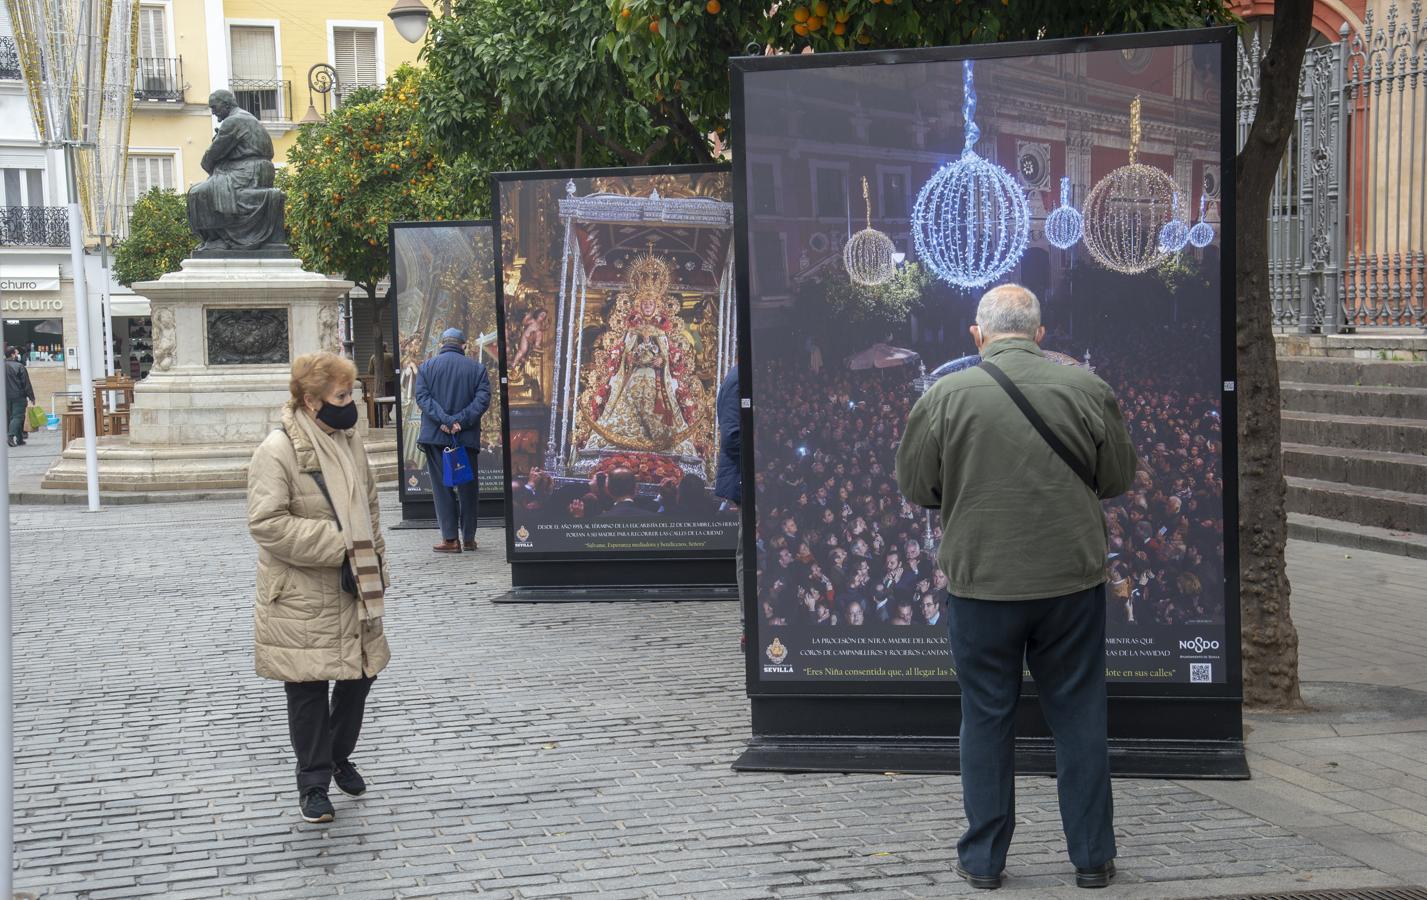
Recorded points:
1007,345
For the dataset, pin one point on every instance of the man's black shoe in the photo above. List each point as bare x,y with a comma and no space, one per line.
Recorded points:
349,780
980,882
316,807
1097,877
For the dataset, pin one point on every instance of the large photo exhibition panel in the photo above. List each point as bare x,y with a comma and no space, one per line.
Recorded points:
618,307
443,276
882,201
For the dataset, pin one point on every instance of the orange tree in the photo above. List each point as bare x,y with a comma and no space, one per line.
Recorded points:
525,84
367,164
159,238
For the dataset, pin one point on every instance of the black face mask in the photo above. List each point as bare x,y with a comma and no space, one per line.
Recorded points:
338,417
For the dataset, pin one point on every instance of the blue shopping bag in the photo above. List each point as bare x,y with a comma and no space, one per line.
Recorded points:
456,466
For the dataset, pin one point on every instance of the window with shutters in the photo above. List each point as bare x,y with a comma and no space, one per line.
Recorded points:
255,77
354,52
159,76
146,172
23,187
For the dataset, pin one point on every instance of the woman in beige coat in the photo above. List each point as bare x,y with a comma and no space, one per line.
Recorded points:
312,509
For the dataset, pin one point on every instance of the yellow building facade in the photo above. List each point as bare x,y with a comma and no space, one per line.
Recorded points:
262,50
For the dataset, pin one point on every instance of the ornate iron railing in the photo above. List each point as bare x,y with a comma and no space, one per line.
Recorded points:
9,59
1348,219
344,90
34,226
270,101
160,79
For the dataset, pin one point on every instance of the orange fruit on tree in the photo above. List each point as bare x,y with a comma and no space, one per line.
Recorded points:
864,38
820,9
624,13
839,28
713,7
801,29
654,26
842,15
814,23
800,14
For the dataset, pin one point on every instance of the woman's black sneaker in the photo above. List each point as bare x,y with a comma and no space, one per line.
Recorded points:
315,806
1097,877
349,780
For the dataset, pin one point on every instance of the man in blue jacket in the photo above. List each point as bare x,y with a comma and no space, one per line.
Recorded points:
453,392
728,481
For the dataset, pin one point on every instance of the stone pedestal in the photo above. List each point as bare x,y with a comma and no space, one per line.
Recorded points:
225,332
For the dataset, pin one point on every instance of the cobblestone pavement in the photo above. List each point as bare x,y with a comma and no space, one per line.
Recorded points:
564,750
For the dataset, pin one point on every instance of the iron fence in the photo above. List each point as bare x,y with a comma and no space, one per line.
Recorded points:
34,226
159,79
1348,216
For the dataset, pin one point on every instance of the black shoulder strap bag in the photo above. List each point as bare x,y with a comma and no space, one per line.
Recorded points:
1076,465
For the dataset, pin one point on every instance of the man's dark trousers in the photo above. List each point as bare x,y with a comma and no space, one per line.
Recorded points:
324,735
1062,639
446,499
16,418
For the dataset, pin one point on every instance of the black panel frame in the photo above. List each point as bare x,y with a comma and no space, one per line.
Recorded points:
1199,728
544,571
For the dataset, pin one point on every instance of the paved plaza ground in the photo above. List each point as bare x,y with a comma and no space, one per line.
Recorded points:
583,750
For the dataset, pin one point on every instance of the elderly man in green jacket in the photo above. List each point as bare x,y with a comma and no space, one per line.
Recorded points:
1024,549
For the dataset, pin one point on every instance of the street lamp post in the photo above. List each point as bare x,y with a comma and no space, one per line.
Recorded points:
323,79
411,17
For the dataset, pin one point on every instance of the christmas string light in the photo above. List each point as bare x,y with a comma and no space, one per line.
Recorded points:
1174,234
868,253
1065,224
1126,211
1202,234
971,220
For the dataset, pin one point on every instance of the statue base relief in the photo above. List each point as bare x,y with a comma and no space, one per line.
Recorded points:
225,332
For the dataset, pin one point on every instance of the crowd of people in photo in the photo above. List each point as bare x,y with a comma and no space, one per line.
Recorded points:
839,545
614,494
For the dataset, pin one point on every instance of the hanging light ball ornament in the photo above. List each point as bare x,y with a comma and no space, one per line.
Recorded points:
1126,210
971,220
1065,224
1174,234
868,253
1202,234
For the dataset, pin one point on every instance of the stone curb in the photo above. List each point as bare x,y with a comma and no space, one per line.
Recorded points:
1358,537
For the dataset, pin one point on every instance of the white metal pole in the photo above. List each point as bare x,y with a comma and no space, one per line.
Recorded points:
7,715
81,309
106,307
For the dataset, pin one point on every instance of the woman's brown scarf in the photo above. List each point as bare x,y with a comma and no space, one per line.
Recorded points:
346,488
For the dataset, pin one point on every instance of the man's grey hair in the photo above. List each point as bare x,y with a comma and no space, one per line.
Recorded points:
223,96
1008,310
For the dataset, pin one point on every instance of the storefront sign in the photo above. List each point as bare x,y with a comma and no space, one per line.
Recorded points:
31,304
29,279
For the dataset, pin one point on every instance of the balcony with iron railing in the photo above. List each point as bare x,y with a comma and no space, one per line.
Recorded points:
34,226
268,101
159,80
9,59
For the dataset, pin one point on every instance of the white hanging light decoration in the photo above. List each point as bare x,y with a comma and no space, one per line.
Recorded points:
971,220
868,253
1065,224
1202,234
1174,234
1126,210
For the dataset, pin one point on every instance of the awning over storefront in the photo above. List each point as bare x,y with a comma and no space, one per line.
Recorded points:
28,278
131,305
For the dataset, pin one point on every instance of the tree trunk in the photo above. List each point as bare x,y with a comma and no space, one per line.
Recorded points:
1270,641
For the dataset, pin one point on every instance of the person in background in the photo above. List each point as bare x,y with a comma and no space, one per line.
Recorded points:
19,395
623,486
1024,552
322,578
453,392
381,368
